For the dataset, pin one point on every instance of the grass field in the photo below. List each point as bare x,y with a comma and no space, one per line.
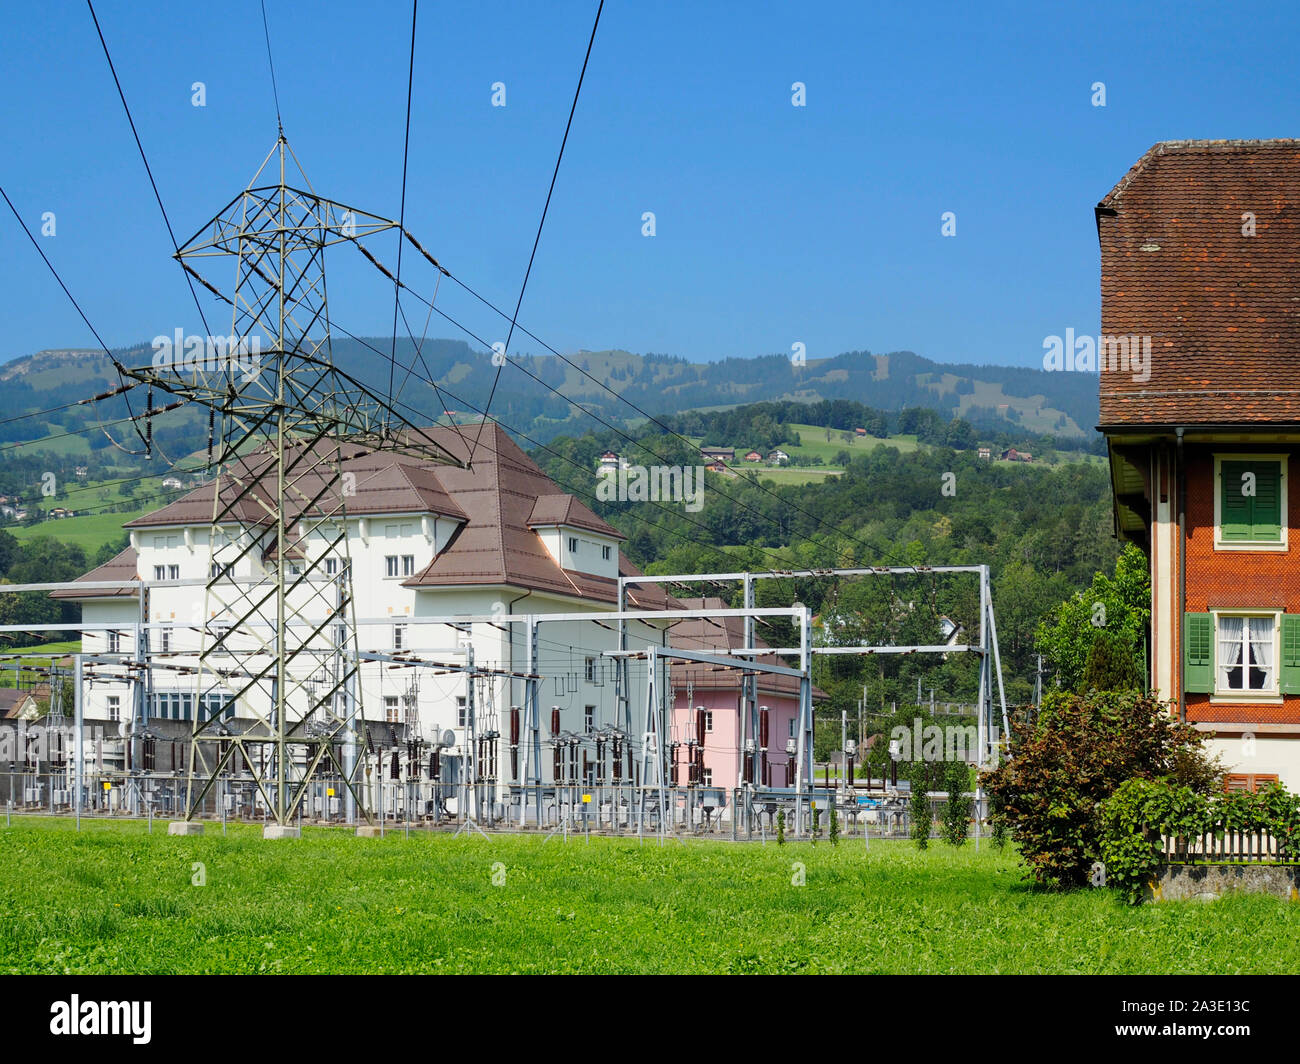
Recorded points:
90,532
115,899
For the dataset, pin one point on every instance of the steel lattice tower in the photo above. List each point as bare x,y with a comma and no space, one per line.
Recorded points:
278,633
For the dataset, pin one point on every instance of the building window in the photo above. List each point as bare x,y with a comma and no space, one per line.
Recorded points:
573,544
173,572
708,720
1250,502
218,571
114,708
1251,783
408,564
160,572
589,719
399,637
791,734
115,642
220,638
390,709
461,711
591,670
331,567
605,552
1246,654
165,640
707,777
390,565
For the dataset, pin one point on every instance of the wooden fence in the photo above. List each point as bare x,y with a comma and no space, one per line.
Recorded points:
1233,846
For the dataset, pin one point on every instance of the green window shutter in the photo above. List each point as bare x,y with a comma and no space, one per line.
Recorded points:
1235,511
1250,518
1198,655
1267,517
1290,672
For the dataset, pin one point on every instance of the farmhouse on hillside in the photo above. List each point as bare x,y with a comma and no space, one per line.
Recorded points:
1199,248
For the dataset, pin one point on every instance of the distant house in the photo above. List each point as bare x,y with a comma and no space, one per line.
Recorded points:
859,432
950,629
778,458
985,453
1012,455
716,466
58,513
172,482
610,460
17,705
82,471
722,454
753,456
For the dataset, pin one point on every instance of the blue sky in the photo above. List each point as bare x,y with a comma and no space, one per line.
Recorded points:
775,224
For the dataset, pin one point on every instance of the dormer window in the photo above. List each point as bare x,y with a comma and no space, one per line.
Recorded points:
605,552
573,544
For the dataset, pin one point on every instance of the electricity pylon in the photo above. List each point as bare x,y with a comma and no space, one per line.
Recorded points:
278,641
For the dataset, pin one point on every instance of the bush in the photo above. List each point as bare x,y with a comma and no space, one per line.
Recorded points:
957,810
1078,753
920,809
1134,819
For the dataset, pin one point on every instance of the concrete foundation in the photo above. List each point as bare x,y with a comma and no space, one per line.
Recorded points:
185,827
369,831
281,831
1206,882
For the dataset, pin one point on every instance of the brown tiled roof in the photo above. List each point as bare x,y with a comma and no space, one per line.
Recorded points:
502,495
386,483
1221,308
561,509
719,634
498,503
11,702
122,567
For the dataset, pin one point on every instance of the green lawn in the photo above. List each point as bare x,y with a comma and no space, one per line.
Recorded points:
90,532
812,442
114,899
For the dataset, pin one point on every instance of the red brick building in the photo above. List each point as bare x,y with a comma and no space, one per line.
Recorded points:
1200,404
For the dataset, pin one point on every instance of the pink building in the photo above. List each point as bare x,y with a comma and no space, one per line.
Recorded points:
719,692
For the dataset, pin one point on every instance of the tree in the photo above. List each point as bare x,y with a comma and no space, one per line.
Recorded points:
1120,605
1113,664
919,779
1075,755
957,810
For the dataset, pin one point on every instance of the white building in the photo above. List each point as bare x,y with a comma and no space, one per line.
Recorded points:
424,541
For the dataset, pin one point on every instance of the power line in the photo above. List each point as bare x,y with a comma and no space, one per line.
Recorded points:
95,332
538,238
565,458
271,63
401,217
145,159
644,413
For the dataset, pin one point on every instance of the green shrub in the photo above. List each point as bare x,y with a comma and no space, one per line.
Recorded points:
1078,752
919,778
1135,818
957,810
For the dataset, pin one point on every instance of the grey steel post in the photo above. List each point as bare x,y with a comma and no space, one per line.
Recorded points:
78,753
804,747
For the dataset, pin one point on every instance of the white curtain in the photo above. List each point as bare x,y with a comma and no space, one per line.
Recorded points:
1261,646
1230,632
